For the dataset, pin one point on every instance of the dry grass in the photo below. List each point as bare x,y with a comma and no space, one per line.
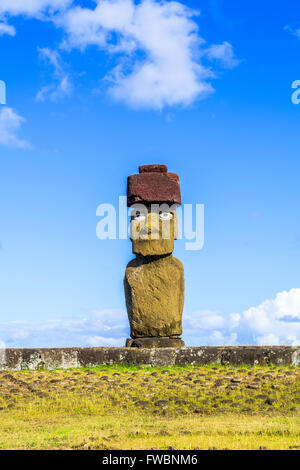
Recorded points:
151,408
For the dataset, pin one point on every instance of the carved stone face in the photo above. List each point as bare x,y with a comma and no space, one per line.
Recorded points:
153,232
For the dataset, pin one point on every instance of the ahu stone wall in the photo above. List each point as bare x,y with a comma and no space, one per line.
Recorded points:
64,358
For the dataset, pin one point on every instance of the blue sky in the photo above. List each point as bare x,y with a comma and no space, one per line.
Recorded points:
93,91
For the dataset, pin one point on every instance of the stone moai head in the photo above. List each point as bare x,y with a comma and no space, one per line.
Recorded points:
153,195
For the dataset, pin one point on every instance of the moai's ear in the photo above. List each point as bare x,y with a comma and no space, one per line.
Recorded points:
175,221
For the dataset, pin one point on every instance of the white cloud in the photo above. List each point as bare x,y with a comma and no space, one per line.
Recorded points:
210,328
41,9
223,53
268,339
96,341
159,42
61,87
10,123
161,60
273,322
276,320
292,30
6,29
99,328
206,320
32,7
85,26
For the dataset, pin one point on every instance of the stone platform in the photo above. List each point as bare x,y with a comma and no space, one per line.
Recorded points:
64,358
155,342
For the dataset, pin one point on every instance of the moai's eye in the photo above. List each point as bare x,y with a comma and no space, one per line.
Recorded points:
165,215
139,217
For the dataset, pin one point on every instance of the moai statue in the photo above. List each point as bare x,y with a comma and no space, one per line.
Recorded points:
154,280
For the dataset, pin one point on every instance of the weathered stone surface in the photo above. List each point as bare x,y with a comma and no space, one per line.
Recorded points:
154,290
64,358
205,355
148,248
153,187
154,168
152,235
253,354
154,281
155,342
34,359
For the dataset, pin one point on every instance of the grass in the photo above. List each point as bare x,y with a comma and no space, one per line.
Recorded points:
114,407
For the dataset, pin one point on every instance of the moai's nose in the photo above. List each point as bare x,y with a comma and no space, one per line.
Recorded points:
153,224
150,226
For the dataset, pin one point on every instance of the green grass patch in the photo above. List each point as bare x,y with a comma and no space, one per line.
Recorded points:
121,407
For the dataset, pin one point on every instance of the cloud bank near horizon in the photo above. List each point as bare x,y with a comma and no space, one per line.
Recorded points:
273,322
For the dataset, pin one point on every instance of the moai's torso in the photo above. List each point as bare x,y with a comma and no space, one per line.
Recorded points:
154,296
